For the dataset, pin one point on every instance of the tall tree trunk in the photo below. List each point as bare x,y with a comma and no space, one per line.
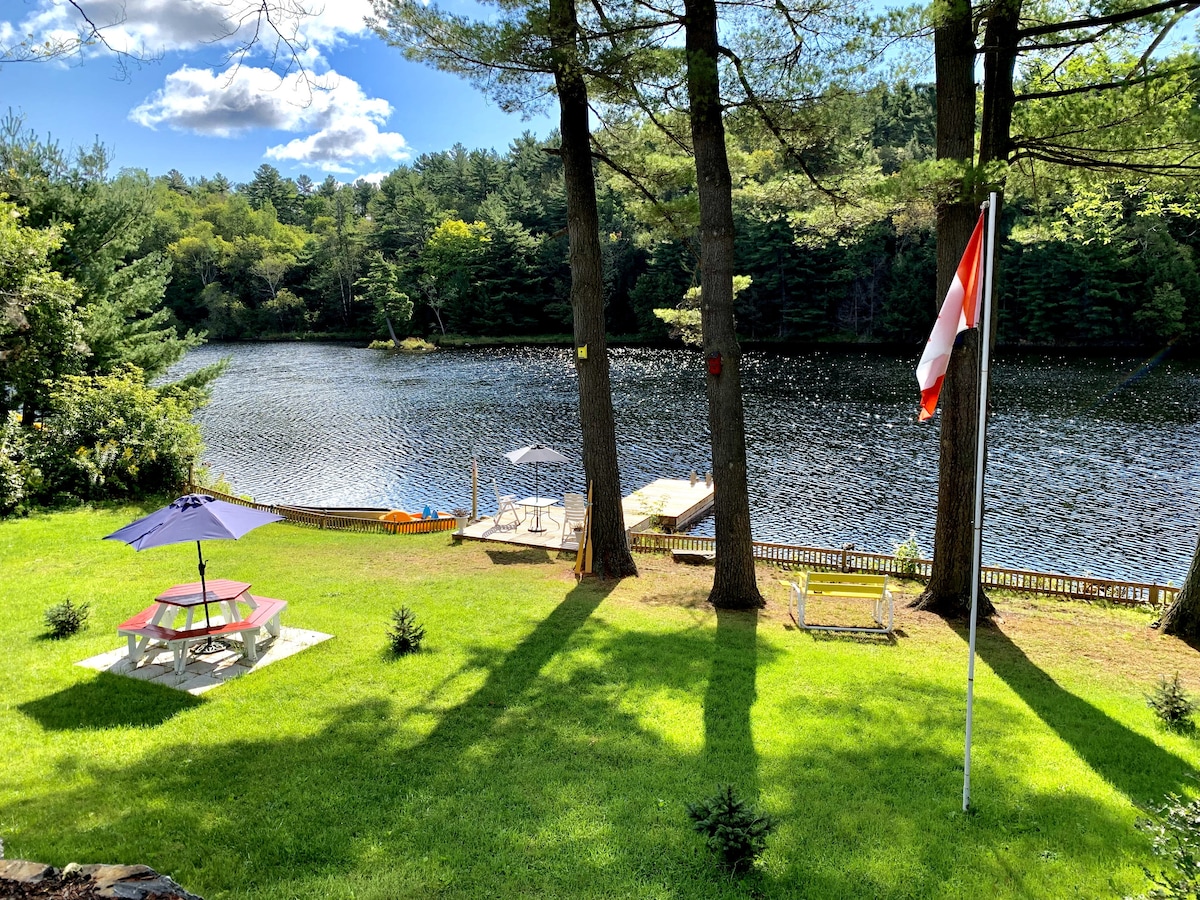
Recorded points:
999,95
949,590
1183,617
734,584
611,555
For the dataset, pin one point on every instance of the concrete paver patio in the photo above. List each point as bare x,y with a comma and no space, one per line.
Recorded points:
203,673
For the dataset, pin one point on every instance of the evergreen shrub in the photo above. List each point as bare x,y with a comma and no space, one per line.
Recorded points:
1171,703
406,635
732,827
65,619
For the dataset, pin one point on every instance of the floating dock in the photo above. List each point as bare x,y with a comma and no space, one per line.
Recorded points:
668,503
675,503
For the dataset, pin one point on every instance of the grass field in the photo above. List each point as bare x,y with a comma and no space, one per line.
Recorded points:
546,742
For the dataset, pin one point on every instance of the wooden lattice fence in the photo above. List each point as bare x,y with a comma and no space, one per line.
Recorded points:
1127,593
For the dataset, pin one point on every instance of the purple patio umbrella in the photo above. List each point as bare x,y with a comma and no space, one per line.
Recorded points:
193,517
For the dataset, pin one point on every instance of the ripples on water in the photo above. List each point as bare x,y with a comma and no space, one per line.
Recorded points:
1091,467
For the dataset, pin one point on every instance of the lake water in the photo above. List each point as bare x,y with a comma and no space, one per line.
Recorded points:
1094,465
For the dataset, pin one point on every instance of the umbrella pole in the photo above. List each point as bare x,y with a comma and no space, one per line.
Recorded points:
209,645
203,585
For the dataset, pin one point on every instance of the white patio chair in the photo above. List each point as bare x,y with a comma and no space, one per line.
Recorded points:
576,510
506,503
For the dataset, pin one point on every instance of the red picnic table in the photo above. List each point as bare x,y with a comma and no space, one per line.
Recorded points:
157,622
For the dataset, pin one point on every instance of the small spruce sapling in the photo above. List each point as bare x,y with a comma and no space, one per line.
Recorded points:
1171,703
65,619
406,635
733,829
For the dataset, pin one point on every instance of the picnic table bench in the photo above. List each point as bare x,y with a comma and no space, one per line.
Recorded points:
841,586
141,630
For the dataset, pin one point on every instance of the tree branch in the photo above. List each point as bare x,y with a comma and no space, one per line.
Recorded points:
681,232
1082,161
1128,15
1103,86
789,151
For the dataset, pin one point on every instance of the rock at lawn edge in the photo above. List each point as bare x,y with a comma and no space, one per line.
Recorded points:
23,879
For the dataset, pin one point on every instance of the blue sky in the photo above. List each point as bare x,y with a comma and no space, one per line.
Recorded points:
194,111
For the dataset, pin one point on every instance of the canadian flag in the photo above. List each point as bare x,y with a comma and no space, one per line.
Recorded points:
960,310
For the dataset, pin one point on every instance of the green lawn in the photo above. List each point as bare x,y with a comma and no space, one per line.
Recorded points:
547,741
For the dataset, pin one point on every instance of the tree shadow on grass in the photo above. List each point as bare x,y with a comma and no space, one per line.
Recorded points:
729,753
516,671
883,821
1131,762
552,776
511,790
108,701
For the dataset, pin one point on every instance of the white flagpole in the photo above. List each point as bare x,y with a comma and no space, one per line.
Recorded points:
980,460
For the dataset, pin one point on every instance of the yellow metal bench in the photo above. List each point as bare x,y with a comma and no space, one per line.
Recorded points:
841,586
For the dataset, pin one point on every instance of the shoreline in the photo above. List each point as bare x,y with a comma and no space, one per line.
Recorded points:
1150,353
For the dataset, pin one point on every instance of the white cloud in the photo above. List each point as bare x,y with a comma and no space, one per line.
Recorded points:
342,122
228,103
373,177
343,141
160,26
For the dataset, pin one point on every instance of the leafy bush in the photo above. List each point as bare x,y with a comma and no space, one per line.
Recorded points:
651,507
407,345
908,552
1174,829
14,474
416,345
109,436
733,829
65,619
203,477
406,635
1171,703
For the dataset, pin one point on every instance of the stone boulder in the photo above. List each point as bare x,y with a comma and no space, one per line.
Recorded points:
24,880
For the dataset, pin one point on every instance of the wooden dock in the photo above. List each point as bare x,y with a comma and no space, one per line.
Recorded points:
674,503
1131,593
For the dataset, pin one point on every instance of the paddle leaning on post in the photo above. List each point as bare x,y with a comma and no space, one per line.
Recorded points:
194,517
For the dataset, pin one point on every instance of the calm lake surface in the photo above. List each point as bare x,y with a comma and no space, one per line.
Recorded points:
1094,463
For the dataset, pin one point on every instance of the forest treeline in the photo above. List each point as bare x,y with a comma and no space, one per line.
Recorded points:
475,241
472,242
